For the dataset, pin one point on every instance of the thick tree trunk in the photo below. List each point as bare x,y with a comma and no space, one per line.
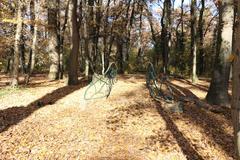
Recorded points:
166,34
73,59
236,81
53,40
17,45
218,90
193,40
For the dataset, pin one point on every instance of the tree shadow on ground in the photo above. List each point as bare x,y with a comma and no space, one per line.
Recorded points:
137,110
212,127
120,115
180,93
12,116
209,123
185,145
199,86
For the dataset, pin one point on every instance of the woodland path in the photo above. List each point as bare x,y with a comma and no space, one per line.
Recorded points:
51,121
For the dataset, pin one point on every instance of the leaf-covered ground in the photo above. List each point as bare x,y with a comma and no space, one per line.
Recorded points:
49,120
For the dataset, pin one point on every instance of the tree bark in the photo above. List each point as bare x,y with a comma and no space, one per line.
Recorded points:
182,28
22,53
17,45
166,34
156,40
32,54
193,40
106,37
218,90
140,41
73,59
236,81
53,40
62,33
201,64
10,62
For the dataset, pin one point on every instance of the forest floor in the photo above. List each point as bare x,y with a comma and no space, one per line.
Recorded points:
49,120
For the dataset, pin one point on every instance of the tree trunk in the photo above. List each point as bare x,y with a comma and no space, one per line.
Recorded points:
87,47
140,40
201,66
63,29
218,90
73,59
32,55
22,54
166,34
17,45
86,67
182,29
155,56
106,36
10,61
193,40
53,40
236,81
35,33
91,29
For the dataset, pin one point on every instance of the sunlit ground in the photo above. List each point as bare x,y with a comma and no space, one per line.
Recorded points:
49,120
